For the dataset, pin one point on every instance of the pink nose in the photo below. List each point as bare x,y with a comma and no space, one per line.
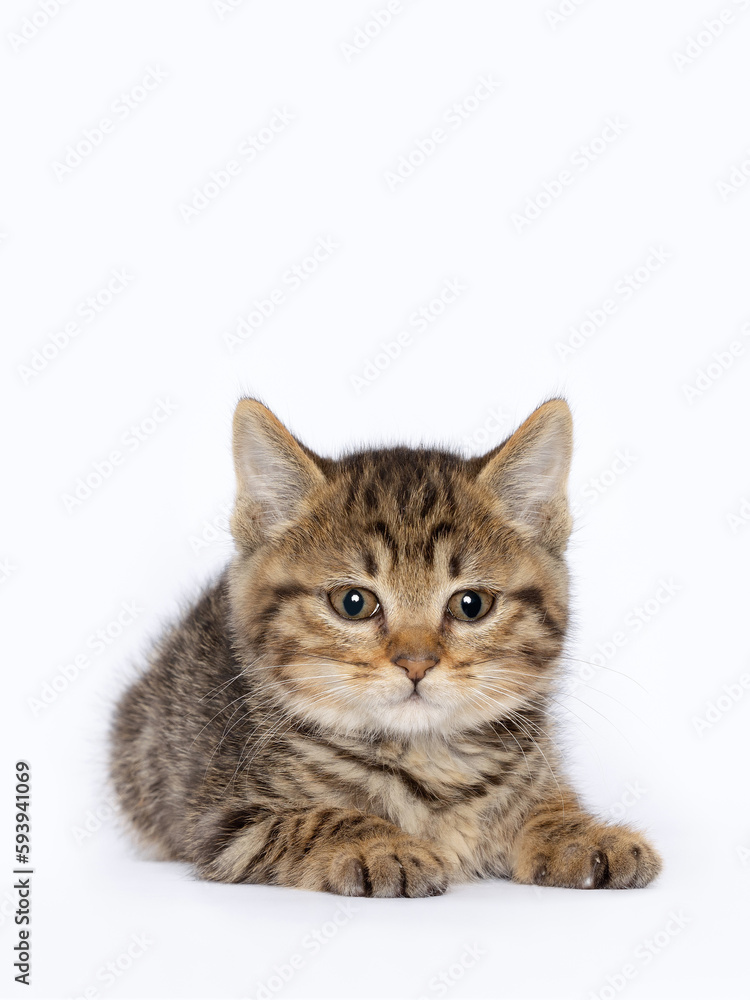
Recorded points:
415,669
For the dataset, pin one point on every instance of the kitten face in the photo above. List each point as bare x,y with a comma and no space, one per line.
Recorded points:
397,591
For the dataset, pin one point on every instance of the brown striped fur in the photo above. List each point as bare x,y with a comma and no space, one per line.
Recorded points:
271,740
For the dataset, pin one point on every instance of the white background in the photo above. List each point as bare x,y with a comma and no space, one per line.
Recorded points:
670,511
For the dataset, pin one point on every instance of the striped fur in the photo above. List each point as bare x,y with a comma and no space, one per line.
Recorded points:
271,740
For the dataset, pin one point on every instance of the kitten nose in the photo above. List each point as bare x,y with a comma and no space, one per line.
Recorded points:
415,669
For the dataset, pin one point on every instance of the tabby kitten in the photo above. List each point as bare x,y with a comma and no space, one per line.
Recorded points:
360,703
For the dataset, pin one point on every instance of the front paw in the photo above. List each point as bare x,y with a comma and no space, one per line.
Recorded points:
587,856
386,866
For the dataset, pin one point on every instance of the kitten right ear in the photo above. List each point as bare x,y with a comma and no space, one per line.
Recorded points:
528,473
275,473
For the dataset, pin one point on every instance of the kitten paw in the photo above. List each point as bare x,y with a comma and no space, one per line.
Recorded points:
597,857
403,866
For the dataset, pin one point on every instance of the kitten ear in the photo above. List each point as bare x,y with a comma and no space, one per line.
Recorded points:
275,473
528,473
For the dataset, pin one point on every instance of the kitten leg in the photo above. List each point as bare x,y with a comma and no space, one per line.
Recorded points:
343,851
564,846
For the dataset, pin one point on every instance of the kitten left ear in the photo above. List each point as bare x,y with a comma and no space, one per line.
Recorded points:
275,473
528,474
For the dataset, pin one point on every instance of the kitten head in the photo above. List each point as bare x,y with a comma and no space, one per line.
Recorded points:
401,591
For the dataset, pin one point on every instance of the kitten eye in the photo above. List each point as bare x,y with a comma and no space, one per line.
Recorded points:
354,602
469,605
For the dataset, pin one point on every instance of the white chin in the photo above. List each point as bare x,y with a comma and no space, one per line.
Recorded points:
414,715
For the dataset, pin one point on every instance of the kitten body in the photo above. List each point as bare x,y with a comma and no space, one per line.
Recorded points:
277,738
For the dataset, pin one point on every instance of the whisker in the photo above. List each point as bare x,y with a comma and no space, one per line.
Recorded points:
221,686
517,719
602,666
243,695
